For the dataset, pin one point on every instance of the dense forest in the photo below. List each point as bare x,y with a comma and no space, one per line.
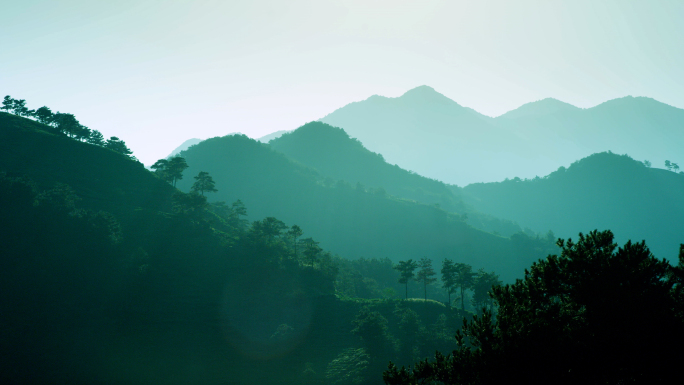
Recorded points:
237,261
112,275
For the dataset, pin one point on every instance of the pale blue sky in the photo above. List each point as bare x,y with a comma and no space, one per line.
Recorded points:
156,73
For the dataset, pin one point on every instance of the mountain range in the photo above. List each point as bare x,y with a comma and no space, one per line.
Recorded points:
351,220
430,134
602,191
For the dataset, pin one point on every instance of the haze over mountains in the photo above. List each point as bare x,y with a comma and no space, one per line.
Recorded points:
350,219
602,191
426,132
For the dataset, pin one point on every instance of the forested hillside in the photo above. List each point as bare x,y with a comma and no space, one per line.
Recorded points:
602,191
111,275
352,221
336,156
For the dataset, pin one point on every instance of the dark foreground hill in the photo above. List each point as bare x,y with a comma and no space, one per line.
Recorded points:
110,275
602,191
349,220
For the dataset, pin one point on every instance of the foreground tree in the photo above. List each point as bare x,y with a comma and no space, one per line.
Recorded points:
161,169
406,269
449,277
596,314
118,145
482,286
426,274
295,232
19,107
203,182
7,103
44,115
464,278
175,168
70,126
96,138
312,251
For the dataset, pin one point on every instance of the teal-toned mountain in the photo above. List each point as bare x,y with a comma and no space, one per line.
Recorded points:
428,133
271,136
425,132
334,154
602,191
184,146
331,152
347,219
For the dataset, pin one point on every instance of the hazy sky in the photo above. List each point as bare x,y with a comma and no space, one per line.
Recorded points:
156,73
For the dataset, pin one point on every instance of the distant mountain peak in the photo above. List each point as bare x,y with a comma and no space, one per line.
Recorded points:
544,106
425,93
426,90
631,101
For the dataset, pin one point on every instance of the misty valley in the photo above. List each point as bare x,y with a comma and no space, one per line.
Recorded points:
404,240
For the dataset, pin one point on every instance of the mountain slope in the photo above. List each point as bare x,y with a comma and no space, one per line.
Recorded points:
334,154
271,136
602,191
331,152
95,297
347,220
103,179
184,146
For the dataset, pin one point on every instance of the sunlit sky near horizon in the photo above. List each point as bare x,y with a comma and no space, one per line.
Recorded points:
156,73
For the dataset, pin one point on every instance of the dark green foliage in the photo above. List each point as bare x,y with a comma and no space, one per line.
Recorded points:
175,168
595,314
44,115
117,145
348,367
203,182
191,205
406,269
7,103
158,274
464,279
412,334
349,222
372,328
295,232
170,170
96,138
311,250
67,124
482,287
426,274
19,107
449,278
269,227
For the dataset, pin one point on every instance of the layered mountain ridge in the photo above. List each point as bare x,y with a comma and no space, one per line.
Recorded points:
423,131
